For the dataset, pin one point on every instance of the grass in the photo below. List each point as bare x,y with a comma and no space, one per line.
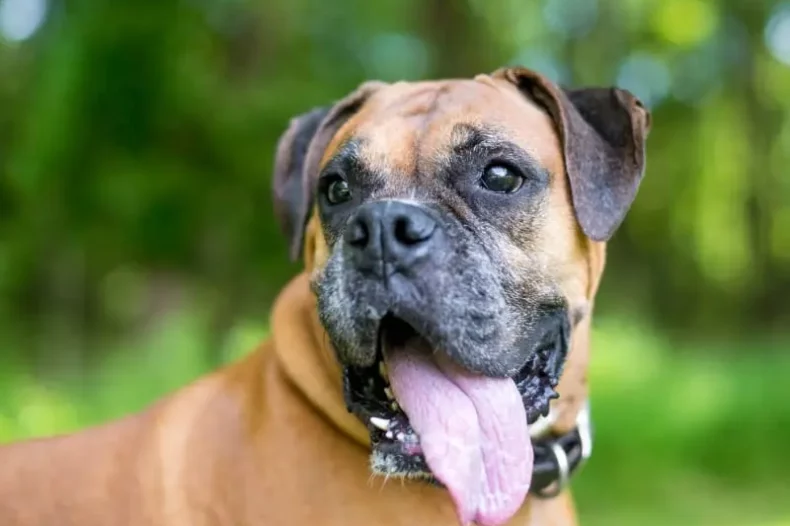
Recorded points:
681,436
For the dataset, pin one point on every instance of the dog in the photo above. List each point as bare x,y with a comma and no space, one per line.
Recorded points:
453,237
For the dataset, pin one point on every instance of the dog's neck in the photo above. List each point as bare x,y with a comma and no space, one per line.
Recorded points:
308,360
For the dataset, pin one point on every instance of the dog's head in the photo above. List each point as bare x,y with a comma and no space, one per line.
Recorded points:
449,227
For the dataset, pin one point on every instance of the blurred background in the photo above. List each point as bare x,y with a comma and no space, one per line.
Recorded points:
138,247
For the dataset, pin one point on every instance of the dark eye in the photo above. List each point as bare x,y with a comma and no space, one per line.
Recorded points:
337,191
502,179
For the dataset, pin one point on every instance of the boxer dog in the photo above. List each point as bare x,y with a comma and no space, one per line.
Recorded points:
453,238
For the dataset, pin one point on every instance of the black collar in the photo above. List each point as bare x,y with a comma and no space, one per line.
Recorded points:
557,458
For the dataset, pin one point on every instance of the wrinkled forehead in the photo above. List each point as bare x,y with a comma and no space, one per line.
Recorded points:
404,125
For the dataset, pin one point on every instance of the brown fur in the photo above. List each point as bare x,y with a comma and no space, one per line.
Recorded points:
268,440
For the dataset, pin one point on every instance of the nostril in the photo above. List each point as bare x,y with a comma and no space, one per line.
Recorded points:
409,231
357,234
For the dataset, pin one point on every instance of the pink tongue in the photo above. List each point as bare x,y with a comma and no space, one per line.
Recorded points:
472,429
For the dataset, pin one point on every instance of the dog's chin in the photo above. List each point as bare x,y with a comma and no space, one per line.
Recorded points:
396,450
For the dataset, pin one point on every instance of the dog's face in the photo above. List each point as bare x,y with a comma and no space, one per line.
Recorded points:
457,217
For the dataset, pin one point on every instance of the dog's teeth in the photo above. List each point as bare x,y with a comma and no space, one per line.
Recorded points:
381,423
401,437
389,435
383,370
395,406
388,392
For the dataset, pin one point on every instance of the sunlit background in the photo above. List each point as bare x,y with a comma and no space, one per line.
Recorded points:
138,248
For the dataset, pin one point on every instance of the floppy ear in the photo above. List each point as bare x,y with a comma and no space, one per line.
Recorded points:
287,183
296,163
603,133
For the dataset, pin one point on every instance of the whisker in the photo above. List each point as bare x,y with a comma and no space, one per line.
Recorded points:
386,478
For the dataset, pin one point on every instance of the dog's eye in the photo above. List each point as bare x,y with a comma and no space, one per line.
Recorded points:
337,191
502,179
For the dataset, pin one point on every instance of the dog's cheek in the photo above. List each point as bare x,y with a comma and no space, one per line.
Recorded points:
333,306
567,263
524,275
316,250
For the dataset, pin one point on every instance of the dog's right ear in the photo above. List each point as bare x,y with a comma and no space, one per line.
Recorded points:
299,153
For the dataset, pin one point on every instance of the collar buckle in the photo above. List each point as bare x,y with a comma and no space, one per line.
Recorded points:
567,454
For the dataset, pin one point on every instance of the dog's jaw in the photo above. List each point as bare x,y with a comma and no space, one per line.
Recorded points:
395,445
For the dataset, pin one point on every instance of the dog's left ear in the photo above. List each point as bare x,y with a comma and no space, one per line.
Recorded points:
299,153
603,133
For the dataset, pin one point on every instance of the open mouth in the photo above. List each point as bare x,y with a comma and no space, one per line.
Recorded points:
429,419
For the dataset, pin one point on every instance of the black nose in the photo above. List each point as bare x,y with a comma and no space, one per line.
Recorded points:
387,236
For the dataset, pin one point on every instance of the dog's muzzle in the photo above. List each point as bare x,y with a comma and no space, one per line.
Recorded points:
445,358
